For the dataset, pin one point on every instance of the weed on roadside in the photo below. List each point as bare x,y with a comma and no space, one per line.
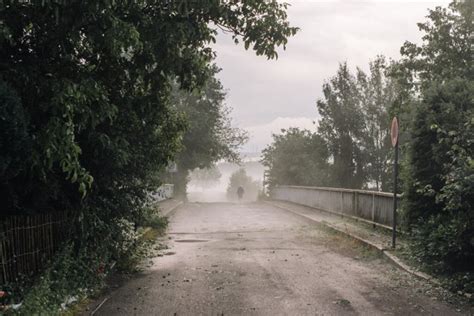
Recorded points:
80,268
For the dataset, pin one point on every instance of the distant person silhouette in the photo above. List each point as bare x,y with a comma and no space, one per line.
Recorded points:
240,193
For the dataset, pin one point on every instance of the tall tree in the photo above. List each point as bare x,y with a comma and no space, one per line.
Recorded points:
341,127
93,82
209,135
296,157
378,94
440,179
446,51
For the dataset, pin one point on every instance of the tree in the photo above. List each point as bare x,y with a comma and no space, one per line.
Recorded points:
446,51
205,177
378,95
439,194
209,135
341,127
296,157
87,88
439,183
93,78
240,179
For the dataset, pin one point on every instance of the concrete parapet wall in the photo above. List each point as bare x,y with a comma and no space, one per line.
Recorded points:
371,206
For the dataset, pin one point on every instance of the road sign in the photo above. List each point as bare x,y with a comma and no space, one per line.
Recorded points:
394,135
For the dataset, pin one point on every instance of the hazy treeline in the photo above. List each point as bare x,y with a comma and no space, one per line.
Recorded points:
351,148
238,179
209,135
431,90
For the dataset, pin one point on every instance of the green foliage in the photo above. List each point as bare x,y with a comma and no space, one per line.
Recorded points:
205,177
296,157
15,142
240,179
355,125
88,124
341,127
94,81
75,273
446,51
70,275
440,189
352,145
439,211
151,218
378,92
209,135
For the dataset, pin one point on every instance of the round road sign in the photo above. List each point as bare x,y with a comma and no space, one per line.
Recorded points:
394,135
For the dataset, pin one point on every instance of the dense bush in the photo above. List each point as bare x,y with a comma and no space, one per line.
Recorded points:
15,144
438,210
440,188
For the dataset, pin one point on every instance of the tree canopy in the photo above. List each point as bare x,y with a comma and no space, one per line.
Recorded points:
92,82
296,157
87,119
209,135
240,179
351,148
440,176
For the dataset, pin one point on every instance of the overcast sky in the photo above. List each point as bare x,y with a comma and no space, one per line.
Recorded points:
269,95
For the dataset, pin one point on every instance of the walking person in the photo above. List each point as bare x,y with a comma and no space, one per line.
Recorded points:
240,192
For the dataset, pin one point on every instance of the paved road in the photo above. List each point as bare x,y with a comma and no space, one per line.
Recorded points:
254,259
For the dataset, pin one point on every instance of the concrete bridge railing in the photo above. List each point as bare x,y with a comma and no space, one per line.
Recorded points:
370,206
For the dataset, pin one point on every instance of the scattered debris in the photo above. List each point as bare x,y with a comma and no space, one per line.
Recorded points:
69,301
100,305
342,302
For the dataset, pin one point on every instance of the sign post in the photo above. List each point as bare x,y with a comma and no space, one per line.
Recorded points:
394,138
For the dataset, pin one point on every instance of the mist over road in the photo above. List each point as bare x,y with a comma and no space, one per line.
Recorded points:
254,259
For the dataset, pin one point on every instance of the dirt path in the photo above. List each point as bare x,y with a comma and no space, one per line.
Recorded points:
254,259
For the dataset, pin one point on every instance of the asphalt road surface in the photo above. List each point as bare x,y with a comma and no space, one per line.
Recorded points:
255,259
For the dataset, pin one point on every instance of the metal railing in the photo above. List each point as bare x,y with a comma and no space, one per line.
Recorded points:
370,206
28,242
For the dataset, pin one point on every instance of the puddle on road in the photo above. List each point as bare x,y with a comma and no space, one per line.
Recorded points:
191,240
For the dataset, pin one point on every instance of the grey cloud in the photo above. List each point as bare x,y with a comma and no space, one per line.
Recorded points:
260,91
